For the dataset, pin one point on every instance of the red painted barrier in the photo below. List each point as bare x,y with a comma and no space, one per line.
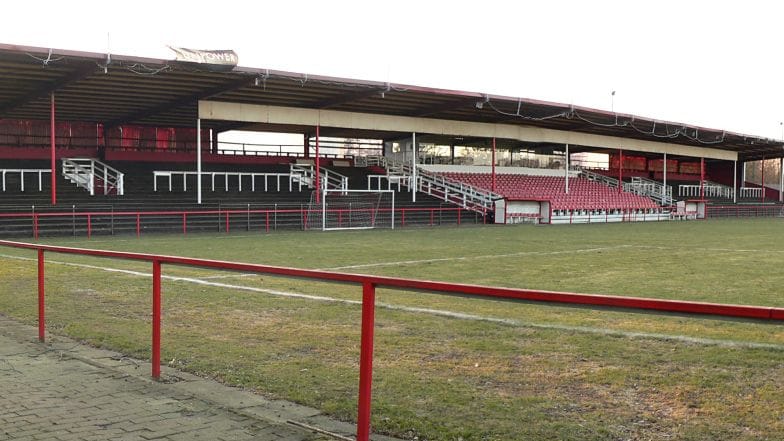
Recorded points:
400,216
156,319
369,284
366,360
41,301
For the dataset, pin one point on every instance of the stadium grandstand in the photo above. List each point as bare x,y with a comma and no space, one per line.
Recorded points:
95,143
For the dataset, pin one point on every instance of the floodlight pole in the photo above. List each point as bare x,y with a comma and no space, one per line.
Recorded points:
53,142
198,161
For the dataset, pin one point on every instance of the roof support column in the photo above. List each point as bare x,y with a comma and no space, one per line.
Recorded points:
318,165
664,180
735,182
53,139
781,179
198,161
762,179
414,161
493,167
452,153
702,178
566,174
306,145
743,174
620,171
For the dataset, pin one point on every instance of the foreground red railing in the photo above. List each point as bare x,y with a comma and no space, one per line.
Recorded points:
369,284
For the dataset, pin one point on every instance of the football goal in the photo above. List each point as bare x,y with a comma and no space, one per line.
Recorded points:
352,210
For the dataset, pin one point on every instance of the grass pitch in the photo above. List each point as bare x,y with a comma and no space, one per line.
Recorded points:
451,368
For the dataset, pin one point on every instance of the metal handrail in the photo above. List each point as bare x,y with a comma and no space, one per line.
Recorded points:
329,179
369,285
82,172
442,187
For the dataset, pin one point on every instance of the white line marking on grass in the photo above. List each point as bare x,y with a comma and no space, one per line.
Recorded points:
723,250
439,312
190,280
229,276
466,258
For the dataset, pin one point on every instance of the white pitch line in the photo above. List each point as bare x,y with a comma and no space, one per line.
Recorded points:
467,258
229,276
723,250
440,312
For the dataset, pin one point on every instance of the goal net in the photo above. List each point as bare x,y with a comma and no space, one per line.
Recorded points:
351,210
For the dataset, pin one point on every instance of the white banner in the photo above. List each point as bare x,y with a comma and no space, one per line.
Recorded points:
226,59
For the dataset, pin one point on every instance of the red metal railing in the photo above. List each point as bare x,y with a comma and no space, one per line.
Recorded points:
86,217
369,284
717,211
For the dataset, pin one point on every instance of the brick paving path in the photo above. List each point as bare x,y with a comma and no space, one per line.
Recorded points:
65,391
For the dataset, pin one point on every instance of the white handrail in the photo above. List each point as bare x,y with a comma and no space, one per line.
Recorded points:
436,185
329,179
22,172
84,172
172,173
606,180
751,192
649,188
708,190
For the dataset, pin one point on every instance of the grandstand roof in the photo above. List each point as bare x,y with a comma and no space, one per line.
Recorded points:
122,89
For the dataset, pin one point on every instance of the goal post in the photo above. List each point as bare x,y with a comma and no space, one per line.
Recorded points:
352,210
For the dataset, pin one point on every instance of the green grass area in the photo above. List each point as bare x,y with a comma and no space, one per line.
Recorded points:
450,368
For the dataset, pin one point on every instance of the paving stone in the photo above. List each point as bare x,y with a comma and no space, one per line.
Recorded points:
65,391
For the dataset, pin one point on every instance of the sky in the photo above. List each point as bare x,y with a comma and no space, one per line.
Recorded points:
717,64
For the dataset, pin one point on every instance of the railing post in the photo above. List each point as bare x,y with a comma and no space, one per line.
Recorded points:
41,302
156,319
35,226
366,361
